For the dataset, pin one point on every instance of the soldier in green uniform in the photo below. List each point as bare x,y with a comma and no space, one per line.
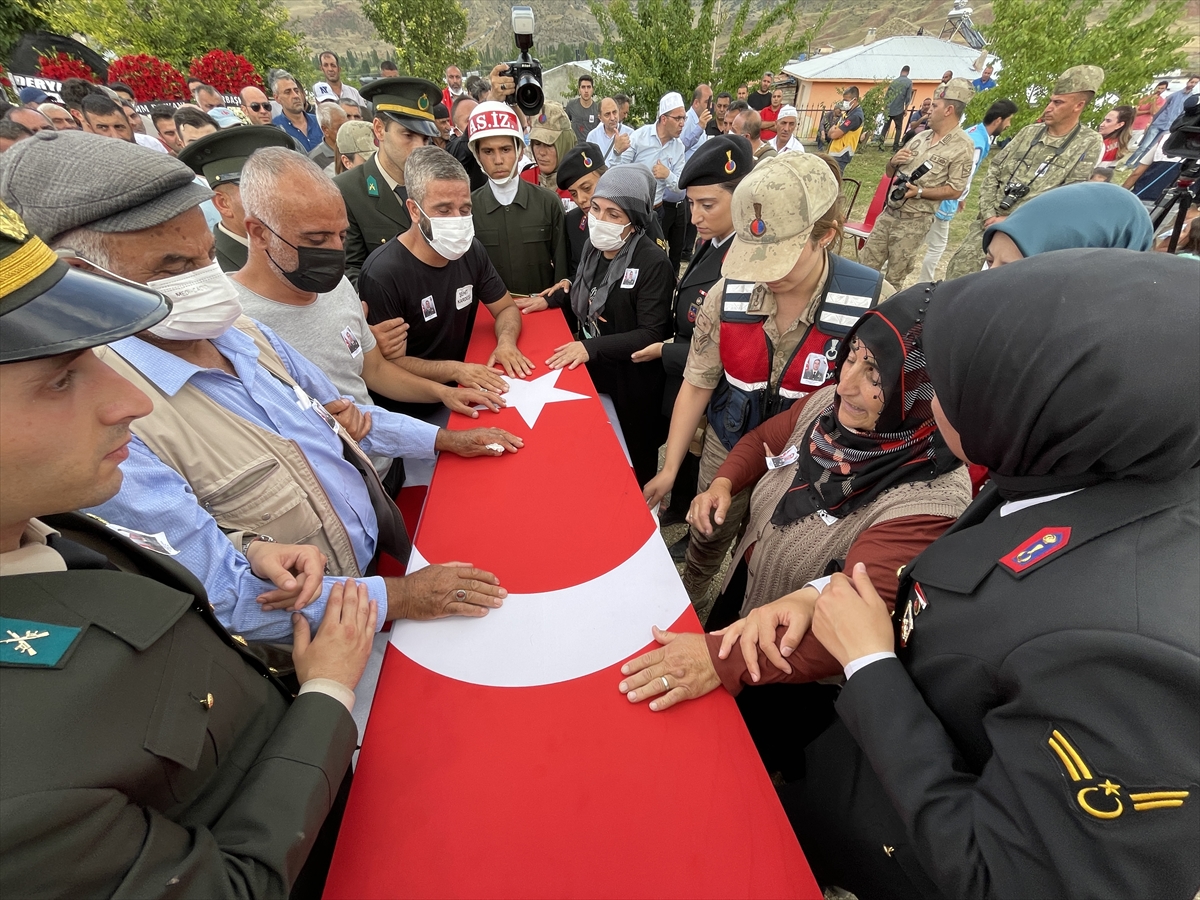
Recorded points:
374,192
218,158
1058,150
145,753
943,155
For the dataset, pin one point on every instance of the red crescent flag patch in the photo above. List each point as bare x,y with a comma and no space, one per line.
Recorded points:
1044,544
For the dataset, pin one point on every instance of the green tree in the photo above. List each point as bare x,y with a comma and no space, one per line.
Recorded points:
749,53
17,17
178,30
1134,41
659,46
428,35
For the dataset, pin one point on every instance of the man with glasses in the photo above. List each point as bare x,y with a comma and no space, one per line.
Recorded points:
256,106
657,147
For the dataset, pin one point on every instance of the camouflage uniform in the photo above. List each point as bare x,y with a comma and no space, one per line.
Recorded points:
1020,162
900,230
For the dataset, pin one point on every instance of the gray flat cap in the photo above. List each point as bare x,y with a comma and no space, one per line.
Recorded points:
59,180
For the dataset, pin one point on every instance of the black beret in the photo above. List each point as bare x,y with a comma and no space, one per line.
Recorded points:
726,157
582,159
440,111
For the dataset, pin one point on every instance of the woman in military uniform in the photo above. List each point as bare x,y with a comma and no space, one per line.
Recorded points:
766,334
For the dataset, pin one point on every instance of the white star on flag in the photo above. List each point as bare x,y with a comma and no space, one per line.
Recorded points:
530,397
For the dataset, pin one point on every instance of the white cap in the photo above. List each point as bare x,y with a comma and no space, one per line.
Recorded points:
323,92
787,112
493,119
669,102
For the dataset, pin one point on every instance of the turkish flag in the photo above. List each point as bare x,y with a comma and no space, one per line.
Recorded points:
500,759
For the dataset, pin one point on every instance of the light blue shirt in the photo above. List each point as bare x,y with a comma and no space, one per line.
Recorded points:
646,149
600,138
154,497
979,136
1170,110
693,135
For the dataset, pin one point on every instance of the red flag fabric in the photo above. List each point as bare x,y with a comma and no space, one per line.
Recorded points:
500,760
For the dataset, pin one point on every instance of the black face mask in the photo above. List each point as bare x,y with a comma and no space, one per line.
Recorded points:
317,269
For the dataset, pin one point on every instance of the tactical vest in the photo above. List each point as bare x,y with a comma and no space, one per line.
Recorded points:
251,480
745,398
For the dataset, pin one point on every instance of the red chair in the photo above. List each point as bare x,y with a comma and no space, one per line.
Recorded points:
862,230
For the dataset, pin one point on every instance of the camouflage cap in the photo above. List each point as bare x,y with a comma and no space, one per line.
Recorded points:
356,137
955,89
1078,79
774,210
549,124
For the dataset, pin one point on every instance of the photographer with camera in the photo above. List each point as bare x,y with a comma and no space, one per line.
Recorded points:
932,167
1059,150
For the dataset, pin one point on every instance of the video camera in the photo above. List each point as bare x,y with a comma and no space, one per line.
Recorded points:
1184,133
901,182
525,71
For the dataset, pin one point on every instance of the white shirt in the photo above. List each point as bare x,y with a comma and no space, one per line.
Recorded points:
144,140
792,146
600,138
347,92
646,149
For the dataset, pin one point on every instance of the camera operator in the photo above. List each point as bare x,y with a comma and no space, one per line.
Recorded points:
1059,150
932,167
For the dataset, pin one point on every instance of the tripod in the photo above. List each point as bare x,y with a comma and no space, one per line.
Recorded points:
1183,194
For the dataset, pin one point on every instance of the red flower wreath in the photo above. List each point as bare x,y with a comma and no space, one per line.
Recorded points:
150,77
62,66
226,71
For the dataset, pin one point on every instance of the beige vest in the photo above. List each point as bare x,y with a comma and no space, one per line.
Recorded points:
247,478
787,558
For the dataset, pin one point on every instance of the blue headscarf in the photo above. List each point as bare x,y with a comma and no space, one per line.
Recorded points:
1078,216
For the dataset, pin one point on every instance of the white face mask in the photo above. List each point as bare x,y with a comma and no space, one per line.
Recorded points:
204,304
451,235
605,236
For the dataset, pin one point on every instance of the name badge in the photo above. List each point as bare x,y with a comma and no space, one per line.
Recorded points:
306,402
463,296
816,369
786,458
351,342
428,310
630,279
156,542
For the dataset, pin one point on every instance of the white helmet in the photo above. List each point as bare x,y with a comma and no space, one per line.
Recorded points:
493,119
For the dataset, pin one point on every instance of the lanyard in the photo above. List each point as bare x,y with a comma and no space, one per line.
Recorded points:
1041,170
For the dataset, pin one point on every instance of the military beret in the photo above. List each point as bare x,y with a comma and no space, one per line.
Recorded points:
219,157
59,180
955,89
406,100
1078,79
582,159
726,157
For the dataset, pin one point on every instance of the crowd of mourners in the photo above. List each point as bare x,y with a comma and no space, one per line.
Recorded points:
943,544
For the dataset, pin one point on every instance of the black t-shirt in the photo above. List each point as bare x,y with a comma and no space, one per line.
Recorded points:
759,101
439,304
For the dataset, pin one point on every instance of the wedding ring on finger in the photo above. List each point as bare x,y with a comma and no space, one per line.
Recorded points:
663,679
460,594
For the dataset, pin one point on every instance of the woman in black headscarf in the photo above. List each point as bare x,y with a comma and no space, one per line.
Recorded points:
1037,735
856,473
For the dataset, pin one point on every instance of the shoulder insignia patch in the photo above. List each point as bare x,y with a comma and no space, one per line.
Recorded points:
1099,796
1044,544
25,643
372,186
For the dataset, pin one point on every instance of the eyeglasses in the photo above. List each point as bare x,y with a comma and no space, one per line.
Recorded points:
678,118
259,107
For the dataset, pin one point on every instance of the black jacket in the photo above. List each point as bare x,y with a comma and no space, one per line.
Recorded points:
1039,734
231,253
375,213
702,273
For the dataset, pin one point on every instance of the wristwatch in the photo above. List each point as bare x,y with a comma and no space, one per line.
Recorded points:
248,539
920,191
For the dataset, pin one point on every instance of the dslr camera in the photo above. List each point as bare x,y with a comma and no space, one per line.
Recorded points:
1013,191
525,71
1184,132
901,182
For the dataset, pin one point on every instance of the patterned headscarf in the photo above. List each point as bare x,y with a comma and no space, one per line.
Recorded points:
841,470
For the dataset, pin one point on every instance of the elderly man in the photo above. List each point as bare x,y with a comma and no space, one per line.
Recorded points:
30,118
436,276
1056,151
218,158
611,135
785,131
315,309
255,105
111,638
935,166
294,121
352,110
657,147
11,132
330,117
748,124
454,86
441,118
355,144
207,97
698,116
59,117
508,206
331,68
228,395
